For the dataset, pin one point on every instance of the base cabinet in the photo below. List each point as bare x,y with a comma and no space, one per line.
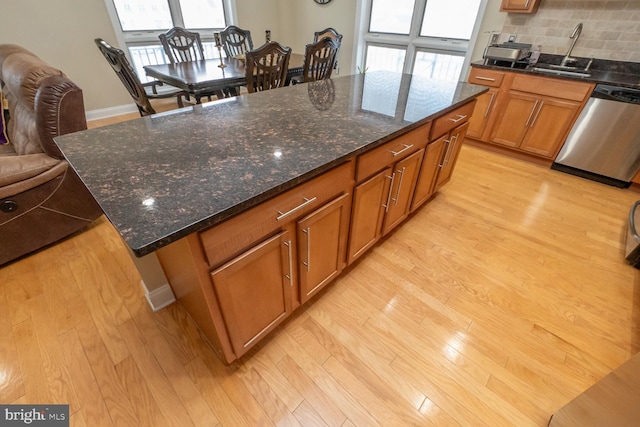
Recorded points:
254,291
534,124
322,245
242,278
425,186
526,114
450,155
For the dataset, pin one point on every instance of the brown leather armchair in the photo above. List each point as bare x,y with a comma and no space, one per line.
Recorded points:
42,200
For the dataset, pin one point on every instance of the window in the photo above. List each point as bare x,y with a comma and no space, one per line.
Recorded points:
138,23
426,37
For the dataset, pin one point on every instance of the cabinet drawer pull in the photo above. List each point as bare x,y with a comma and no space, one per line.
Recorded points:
306,202
531,113
488,79
460,118
307,264
526,5
290,275
395,200
406,147
392,178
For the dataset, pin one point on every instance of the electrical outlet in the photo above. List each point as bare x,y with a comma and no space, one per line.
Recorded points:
512,37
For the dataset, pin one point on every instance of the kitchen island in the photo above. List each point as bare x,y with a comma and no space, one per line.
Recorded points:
255,203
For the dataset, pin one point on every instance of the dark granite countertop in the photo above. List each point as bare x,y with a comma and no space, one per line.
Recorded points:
618,73
163,177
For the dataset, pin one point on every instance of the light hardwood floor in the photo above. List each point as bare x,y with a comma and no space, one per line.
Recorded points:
498,302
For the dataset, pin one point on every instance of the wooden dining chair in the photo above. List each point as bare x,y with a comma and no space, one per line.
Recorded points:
266,67
319,60
327,32
182,45
235,41
332,34
120,64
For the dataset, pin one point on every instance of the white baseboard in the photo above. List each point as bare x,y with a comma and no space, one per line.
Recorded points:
118,110
159,298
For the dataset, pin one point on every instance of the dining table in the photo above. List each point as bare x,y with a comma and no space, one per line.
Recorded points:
205,77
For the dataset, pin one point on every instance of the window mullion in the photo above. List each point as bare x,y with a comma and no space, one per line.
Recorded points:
176,13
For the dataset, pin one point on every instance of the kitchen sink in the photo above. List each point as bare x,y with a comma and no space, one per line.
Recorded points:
575,73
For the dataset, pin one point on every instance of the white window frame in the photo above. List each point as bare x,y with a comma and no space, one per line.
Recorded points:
413,42
127,39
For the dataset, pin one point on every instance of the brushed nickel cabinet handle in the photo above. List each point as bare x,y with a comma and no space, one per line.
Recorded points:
537,114
446,154
307,231
290,275
392,178
488,79
406,147
395,200
493,95
531,113
297,208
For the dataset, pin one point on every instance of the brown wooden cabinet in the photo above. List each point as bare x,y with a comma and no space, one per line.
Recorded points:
403,181
382,201
519,6
524,113
254,291
450,155
481,114
322,242
243,277
534,124
425,187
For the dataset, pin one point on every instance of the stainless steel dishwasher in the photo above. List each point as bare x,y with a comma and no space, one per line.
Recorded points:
604,143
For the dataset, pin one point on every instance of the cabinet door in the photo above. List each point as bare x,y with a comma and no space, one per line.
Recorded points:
450,157
366,218
514,118
549,126
254,291
403,183
322,243
425,186
481,112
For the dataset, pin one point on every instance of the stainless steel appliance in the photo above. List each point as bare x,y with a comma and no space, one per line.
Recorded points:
604,144
509,52
632,243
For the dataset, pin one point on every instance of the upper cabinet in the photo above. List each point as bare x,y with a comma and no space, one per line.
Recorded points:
520,6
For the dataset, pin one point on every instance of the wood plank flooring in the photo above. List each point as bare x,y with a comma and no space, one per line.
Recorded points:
498,302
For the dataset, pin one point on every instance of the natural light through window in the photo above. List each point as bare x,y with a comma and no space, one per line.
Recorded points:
384,58
137,15
391,16
449,18
202,13
438,66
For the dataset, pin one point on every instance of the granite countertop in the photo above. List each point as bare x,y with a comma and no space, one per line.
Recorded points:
618,73
163,177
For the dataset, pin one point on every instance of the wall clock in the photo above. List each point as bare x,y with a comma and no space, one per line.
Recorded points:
322,1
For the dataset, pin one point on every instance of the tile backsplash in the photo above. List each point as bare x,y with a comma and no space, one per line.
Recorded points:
611,29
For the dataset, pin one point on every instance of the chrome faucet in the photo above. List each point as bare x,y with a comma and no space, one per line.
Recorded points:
574,36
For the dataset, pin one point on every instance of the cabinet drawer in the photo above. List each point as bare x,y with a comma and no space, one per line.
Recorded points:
230,238
556,88
454,118
480,76
394,150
